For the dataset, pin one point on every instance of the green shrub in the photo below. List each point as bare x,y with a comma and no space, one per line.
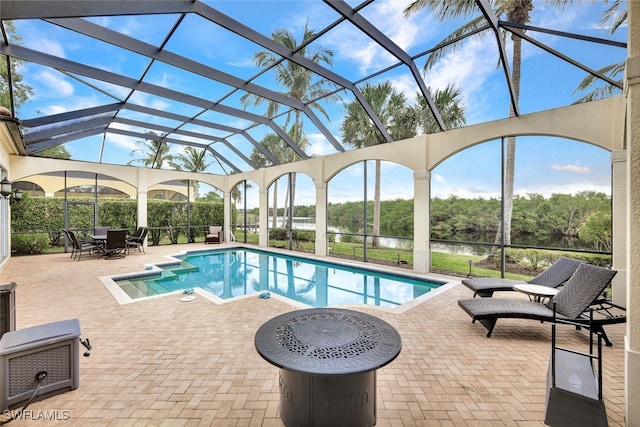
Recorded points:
303,236
351,238
29,244
278,234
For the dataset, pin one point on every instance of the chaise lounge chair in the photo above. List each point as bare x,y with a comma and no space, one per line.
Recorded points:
554,276
581,292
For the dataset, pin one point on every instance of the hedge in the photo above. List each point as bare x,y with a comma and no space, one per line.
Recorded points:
44,216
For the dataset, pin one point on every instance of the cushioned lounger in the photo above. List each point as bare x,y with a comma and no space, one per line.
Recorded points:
554,276
581,292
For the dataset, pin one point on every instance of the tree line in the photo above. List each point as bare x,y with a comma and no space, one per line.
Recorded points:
585,216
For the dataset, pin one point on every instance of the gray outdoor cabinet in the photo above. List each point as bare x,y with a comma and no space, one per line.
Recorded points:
7,307
53,348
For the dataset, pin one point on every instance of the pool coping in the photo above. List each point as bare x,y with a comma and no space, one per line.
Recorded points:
152,269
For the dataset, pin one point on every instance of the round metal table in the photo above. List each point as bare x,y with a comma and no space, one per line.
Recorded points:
328,359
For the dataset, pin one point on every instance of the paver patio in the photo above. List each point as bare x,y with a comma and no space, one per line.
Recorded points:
162,362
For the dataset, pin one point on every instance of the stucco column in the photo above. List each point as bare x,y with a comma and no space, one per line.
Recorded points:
421,228
632,339
263,220
226,222
141,200
321,218
619,221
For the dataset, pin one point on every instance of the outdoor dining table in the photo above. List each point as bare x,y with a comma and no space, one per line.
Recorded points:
328,359
100,240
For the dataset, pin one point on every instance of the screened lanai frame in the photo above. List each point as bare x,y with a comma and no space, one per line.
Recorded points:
204,126
207,123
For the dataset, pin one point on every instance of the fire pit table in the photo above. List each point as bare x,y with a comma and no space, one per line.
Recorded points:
328,359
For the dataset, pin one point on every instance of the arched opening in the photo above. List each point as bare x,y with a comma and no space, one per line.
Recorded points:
291,221
245,199
368,227
561,206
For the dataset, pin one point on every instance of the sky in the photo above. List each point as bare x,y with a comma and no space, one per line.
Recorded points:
547,82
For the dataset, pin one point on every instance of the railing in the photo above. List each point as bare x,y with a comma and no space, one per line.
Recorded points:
359,247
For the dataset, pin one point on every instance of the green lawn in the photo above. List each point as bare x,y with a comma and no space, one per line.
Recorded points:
454,264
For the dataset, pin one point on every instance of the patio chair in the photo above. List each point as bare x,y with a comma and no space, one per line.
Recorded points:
214,235
137,240
79,247
554,276
574,302
116,244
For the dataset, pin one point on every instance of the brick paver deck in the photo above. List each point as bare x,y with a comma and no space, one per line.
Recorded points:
162,362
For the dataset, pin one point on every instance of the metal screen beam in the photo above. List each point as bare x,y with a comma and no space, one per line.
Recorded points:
117,79
133,45
53,142
78,126
492,19
203,123
31,9
70,115
386,43
255,37
174,141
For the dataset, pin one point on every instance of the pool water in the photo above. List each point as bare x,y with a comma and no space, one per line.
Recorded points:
230,273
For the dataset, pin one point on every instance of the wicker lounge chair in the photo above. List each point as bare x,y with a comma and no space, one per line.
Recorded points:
581,292
554,276
214,235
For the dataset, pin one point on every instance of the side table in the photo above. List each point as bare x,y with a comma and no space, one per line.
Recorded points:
537,293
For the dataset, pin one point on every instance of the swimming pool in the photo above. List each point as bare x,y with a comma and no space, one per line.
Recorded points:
238,271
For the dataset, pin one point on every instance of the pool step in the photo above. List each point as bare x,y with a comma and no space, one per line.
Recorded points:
168,281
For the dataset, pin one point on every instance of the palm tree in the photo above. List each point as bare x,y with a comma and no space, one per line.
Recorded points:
450,106
400,120
192,160
518,12
154,150
299,85
359,131
277,147
617,17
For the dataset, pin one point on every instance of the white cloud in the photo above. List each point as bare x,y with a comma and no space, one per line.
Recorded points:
407,85
47,45
55,85
71,104
571,168
438,178
565,188
54,109
123,141
143,98
318,145
467,68
387,16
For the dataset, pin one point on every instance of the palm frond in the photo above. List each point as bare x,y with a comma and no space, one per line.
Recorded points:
614,71
614,14
454,41
443,9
